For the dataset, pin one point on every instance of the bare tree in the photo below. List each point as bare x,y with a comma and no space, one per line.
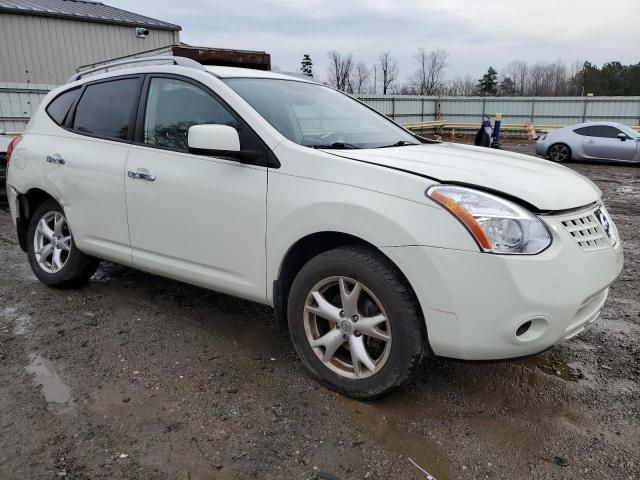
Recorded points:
389,71
428,78
518,71
462,86
360,78
340,68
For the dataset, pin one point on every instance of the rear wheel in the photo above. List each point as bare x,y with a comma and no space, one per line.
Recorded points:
53,255
559,152
355,322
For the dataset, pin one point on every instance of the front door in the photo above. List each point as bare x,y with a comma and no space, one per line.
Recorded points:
603,143
196,218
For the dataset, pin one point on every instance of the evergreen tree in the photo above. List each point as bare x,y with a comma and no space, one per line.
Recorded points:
488,84
306,65
507,87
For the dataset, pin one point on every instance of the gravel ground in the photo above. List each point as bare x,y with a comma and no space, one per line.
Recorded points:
139,377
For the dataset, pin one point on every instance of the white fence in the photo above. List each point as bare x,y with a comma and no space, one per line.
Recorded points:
19,101
517,110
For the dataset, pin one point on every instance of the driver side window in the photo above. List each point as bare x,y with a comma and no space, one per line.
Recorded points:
173,106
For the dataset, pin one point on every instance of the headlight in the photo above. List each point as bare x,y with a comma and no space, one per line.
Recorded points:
499,226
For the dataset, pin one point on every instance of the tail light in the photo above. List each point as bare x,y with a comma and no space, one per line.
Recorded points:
12,145
542,138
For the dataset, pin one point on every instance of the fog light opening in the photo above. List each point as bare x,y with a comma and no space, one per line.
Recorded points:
524,328
531,330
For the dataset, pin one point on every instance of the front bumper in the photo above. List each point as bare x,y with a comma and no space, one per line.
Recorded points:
475,302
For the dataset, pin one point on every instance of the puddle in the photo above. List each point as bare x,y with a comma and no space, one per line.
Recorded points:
567,371
56,393
381,424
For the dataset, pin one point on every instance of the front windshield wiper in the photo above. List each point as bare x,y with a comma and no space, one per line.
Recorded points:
401,143
336,145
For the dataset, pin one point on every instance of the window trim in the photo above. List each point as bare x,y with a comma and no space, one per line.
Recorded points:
271,161
71,115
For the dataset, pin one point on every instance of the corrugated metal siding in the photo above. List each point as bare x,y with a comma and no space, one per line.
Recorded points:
517,110
18,102
48,50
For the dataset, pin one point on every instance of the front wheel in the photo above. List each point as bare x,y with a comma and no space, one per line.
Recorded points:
53,255
559,152
355,322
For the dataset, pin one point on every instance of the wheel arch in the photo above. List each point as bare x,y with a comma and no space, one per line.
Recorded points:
303,250
28,203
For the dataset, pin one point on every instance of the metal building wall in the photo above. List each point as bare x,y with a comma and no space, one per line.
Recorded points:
43,50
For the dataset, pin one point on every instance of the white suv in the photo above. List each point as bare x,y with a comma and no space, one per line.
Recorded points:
375,246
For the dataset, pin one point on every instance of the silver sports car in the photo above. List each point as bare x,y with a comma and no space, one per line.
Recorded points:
591,141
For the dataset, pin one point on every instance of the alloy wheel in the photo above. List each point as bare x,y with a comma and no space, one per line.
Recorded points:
347,327
52,242
559,153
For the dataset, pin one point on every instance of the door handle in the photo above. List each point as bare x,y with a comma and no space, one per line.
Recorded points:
55,158
142,175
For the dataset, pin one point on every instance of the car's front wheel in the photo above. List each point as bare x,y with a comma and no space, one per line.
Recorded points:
53,255
355,322
559,152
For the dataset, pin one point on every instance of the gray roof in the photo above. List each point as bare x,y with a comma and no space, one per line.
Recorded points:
84,10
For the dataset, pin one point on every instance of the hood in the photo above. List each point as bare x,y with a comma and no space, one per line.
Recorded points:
540,183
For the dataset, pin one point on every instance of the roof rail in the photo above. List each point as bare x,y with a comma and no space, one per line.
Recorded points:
156,60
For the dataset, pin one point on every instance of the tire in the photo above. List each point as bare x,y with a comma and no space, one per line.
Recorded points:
72,268
559,152
383,293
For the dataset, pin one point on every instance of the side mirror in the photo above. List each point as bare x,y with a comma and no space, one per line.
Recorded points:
214,140
622,136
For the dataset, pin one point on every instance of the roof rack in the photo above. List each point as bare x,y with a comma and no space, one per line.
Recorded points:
154,60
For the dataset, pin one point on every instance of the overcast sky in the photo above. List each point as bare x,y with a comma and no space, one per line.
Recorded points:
476,33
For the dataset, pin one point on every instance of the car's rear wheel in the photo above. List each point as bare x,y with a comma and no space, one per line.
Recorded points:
53,255
355,322
559,152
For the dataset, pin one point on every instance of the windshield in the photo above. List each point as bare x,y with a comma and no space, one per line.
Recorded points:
316,116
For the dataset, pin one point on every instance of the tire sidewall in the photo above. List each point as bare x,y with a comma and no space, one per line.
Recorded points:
406,334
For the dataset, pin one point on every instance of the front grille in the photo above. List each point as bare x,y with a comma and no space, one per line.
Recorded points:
587,231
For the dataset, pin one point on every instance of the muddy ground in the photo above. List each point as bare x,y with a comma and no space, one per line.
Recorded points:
139,377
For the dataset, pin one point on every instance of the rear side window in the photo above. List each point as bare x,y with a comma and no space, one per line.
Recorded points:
173,106
60,105
106,108
583,131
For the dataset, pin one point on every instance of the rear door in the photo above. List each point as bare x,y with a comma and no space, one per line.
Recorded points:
197,218
602,142
85,162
